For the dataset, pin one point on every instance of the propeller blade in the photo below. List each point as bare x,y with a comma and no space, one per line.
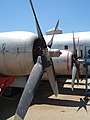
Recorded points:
43,61
40,35
51,41
51,75
29,90
75,69
77,75
74,72
74,47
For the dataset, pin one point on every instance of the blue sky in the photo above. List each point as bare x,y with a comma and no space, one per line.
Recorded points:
74,15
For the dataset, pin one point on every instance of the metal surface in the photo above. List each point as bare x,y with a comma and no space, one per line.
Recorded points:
29,90
51,41
12,61
17,56
19,81
75,68
74,72
63,63
43,61
52,80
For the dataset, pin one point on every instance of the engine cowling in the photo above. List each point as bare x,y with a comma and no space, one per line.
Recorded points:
19,51
16,52
63,63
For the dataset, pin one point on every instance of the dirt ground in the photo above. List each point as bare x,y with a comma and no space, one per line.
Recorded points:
69,105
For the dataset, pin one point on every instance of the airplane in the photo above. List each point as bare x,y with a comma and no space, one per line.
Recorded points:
25,57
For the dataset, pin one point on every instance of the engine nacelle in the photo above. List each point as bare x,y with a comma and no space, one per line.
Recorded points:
17,51
63,63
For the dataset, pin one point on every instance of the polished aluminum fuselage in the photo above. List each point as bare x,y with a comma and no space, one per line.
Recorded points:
16,51
82,40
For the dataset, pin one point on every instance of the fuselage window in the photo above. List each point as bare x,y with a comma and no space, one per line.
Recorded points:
66,47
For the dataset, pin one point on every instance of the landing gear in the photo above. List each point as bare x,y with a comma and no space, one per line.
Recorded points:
11,91
8,92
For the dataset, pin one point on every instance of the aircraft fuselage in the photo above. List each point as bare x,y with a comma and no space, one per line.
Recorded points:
16,52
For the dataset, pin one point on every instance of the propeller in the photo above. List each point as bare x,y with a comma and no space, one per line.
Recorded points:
44,63
75,66
51,41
